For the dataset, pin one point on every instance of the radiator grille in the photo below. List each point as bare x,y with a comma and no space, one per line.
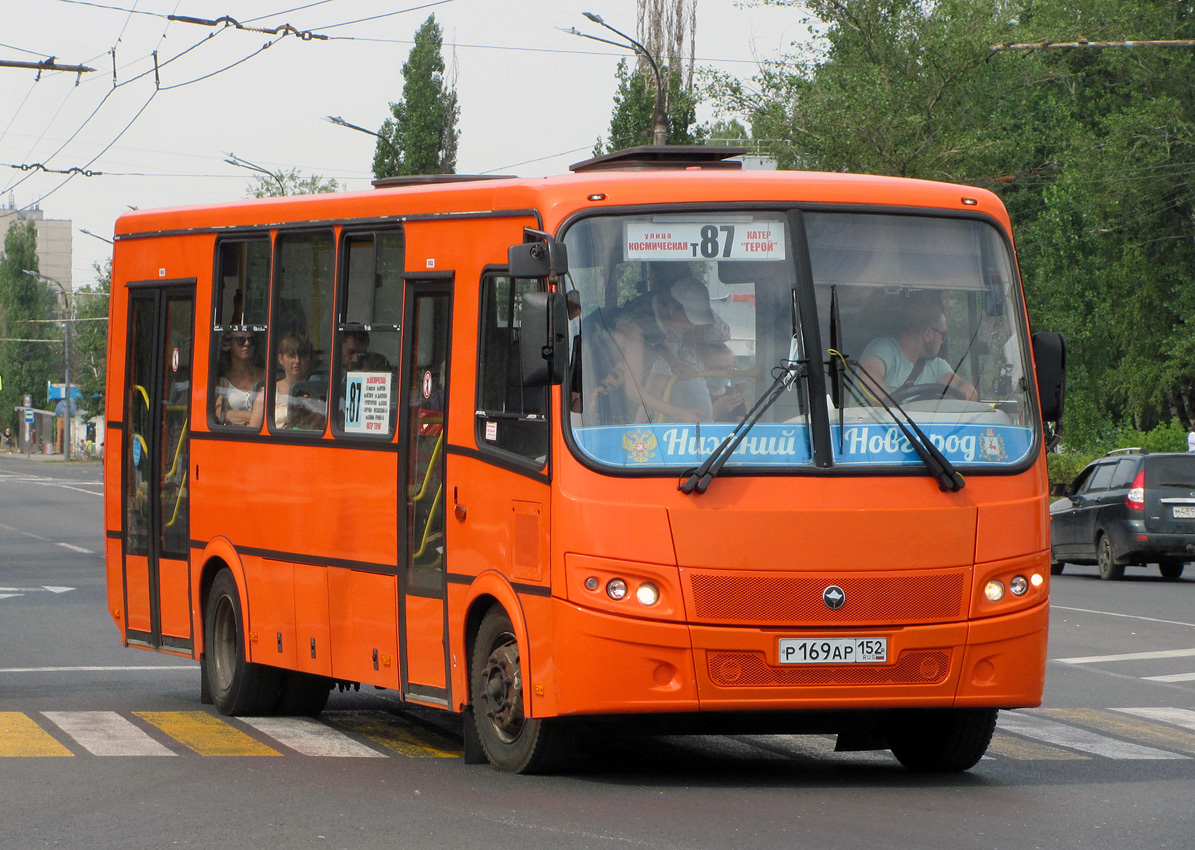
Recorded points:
915,667
770,599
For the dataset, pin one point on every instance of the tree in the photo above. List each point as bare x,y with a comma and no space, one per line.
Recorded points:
290,183
25,367
1091,151
421,137
89,345
634,107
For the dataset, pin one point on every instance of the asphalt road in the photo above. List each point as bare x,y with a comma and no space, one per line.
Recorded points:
1108,762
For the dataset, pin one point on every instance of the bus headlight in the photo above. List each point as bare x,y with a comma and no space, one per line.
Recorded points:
647,594
616,589
994,591
1019,585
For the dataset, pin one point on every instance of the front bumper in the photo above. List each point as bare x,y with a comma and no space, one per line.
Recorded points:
607,664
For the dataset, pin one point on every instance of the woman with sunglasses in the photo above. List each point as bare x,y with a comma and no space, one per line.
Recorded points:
239,396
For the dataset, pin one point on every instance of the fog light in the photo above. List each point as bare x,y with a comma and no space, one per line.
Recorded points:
592,583
1036,580
647,594
994,591
616,588
1019,585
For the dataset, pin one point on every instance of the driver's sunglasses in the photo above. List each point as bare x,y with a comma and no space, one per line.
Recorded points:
241,340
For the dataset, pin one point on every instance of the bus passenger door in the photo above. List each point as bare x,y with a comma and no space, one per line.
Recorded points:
423,439
155,463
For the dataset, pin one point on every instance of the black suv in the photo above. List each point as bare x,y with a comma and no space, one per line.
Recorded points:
1129,507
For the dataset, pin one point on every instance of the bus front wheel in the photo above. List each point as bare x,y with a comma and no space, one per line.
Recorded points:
941,740
238,686
512,741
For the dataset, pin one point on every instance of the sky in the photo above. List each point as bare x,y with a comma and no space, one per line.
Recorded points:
533,99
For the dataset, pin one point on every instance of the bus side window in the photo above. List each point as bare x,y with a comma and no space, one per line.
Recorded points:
510,416
366,354
238,376
302,325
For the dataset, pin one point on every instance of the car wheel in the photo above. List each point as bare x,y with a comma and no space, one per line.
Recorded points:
511,740
238,686
1109,569
1056,567
1171,569
940,740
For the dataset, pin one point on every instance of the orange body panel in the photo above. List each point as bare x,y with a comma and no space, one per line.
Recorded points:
317,526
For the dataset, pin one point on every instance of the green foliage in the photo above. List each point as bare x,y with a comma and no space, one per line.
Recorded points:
25,367
1090,149
290,183
632,120
89,345
421,136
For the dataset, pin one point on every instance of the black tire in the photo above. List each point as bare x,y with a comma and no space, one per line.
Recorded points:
1171,569
1105,558
238,686
512,741
940,740
1056,567
302,694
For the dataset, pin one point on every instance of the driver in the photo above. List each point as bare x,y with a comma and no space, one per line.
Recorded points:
911,357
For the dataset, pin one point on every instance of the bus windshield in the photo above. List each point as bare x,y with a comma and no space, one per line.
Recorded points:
679,322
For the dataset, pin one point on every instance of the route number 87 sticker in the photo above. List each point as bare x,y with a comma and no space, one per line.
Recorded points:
706,239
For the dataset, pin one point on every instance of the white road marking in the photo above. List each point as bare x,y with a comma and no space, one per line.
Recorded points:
1173,677
44,587
106,733
1183,717
75,548
146,668
310,737
1125,616
1062,735
1128,656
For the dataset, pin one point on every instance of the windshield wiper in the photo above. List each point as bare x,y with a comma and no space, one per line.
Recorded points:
949,479
786,374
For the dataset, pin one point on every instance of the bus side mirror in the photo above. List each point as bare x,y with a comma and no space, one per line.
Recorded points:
537,260
543,338
1049,358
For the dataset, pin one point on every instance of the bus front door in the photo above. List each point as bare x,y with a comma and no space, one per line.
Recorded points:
423,435
157,422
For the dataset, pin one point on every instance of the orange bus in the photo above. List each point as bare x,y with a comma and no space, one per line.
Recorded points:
660,444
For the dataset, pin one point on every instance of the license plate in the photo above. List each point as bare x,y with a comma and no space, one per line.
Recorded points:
1184,511
861,650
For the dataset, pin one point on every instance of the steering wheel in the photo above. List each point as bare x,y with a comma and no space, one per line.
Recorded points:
926,392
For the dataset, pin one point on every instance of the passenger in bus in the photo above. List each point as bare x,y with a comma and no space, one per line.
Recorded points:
308,406
239,397
661,335
911,357
355,355
726,399
294,358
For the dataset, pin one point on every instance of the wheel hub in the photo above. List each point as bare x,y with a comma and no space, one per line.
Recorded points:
504,691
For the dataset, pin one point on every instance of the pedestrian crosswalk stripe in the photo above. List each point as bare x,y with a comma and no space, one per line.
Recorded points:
310,737
20,736
1039,728
1142,731
1018,749
396,734
205,734
106,733
1172,677
1183,717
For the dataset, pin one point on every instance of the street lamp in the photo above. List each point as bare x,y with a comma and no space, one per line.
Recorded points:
340,122
66,419
233,159
659,118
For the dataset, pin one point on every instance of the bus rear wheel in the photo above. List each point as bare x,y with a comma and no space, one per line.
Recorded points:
511,740
238,686
941,740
